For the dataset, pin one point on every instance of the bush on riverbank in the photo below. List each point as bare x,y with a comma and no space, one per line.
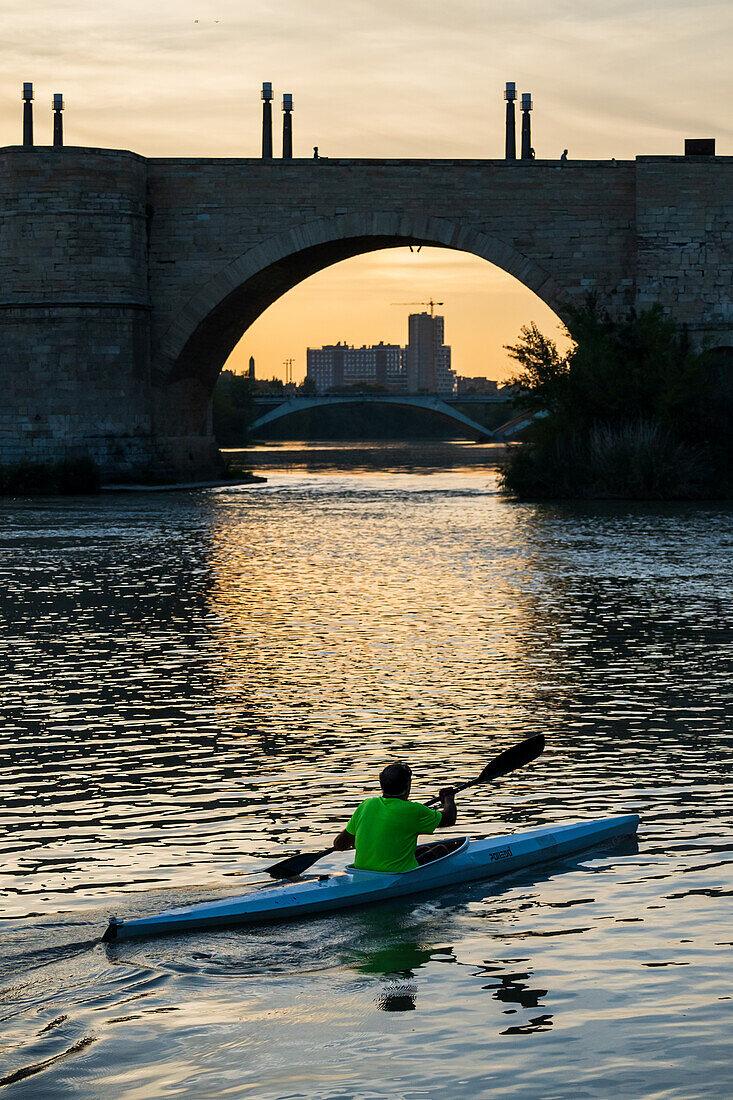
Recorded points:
633,461
69,476
631,411
242,475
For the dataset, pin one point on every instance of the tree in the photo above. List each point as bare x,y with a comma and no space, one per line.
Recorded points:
232,407
629,411
638,366
544,376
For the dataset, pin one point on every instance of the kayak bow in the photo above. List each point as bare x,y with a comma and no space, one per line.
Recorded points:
469,860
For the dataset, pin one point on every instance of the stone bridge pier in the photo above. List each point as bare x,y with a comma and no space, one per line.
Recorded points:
125,282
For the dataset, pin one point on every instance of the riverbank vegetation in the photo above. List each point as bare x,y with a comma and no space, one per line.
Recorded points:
80,476
631,411
68,477
241,475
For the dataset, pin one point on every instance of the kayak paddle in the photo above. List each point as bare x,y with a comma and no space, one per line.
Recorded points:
505,762
508,761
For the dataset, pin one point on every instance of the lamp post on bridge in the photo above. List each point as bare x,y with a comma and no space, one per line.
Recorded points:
526,126
510,94
287,126
27,114
267,120
58,120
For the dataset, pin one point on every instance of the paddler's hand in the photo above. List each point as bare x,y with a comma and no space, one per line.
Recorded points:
448,810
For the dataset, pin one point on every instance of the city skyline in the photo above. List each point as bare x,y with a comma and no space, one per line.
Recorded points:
422,365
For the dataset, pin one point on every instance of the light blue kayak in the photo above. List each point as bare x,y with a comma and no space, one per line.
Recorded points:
468,860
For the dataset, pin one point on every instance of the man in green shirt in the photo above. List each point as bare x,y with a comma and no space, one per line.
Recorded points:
384,830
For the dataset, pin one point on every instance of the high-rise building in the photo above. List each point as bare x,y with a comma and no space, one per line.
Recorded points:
427,358
424,366
337,365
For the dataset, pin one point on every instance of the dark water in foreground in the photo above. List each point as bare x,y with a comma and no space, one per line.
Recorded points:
192,683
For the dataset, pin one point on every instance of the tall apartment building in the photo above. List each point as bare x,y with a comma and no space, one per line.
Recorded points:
427,358
337,365
424,366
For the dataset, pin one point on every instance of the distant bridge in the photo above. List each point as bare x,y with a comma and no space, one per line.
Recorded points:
279,407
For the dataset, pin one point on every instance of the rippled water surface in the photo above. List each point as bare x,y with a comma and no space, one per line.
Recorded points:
195,683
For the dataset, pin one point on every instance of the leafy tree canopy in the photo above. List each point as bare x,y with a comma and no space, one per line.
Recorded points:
639,366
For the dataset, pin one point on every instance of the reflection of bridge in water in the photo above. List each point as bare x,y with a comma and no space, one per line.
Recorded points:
436,404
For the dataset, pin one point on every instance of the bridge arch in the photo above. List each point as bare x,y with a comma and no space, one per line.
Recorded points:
208,325
430,403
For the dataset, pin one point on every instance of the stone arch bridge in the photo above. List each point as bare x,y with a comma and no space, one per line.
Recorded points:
125,282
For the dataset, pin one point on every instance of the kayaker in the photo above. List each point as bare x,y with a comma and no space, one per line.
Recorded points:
384,830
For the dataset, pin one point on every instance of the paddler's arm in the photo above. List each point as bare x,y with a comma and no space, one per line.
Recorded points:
448,808
344,841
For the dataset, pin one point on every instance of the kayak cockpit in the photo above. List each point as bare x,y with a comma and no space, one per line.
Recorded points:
439,849
427,855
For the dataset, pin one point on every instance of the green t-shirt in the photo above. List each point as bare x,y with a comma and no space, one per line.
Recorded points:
386,831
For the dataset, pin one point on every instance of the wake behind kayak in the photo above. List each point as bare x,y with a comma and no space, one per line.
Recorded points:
468,861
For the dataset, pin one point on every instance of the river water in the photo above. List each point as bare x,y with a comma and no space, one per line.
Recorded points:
194,683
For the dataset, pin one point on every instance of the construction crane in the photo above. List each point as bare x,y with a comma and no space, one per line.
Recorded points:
431,303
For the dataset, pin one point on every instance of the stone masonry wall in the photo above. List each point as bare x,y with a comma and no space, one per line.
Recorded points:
229,236
562,229
74,307
684,234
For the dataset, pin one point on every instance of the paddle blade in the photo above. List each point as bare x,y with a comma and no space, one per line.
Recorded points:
295,865
515,757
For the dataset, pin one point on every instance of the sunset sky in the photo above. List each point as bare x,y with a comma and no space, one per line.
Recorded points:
377,78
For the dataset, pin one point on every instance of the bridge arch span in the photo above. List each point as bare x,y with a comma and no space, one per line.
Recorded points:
431,403
208,325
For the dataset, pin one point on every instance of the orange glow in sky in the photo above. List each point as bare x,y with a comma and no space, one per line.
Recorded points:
352,301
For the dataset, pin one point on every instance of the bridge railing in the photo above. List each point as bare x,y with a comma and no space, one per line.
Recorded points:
449,398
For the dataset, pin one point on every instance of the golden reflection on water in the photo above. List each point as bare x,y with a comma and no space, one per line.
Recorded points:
357,636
